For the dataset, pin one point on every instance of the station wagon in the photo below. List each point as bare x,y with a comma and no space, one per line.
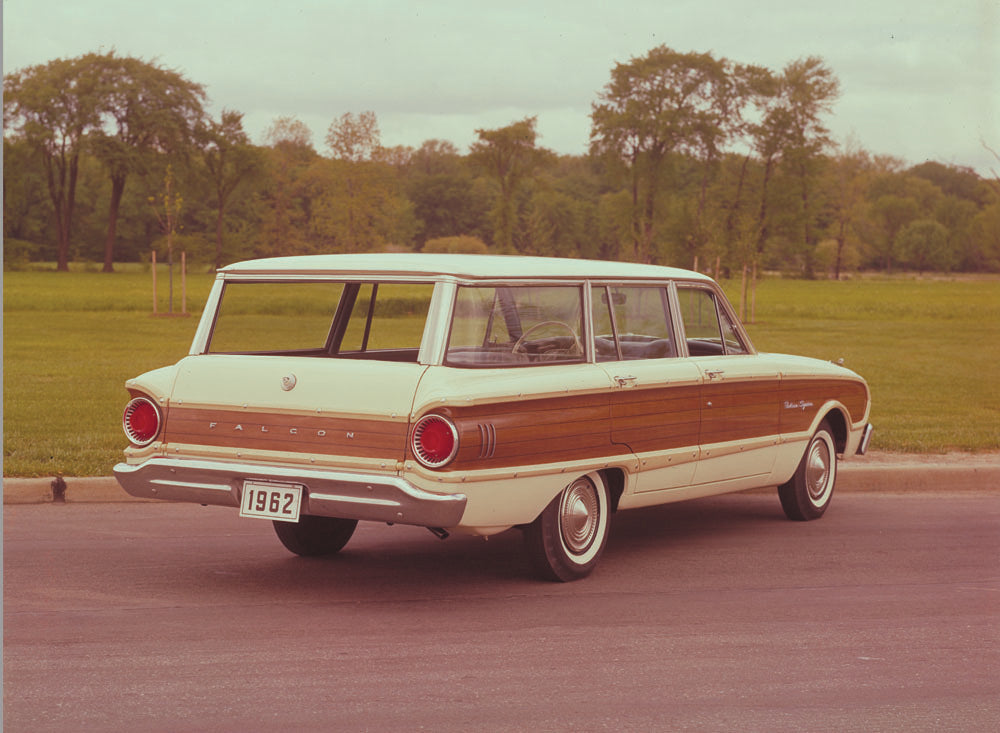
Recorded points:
479,393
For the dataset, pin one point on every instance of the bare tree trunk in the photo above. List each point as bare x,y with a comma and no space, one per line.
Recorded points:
218,235
117,189
62,196
841,241
743,293
636,215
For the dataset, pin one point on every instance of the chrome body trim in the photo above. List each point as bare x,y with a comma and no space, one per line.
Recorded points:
368,497
866,439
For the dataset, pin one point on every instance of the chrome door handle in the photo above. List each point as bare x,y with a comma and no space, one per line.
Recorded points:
714,373
628,381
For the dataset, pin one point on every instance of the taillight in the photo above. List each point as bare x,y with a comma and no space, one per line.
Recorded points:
434,441
141,421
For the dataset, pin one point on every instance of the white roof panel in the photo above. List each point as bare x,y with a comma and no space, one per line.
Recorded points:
460,266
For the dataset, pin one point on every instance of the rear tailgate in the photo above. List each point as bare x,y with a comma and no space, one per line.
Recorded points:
347,412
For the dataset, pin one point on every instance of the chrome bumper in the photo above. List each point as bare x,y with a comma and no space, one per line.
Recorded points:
370,497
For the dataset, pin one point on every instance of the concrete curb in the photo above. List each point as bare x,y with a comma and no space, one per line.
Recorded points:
885,472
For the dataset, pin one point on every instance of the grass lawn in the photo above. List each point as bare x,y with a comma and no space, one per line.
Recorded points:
929,349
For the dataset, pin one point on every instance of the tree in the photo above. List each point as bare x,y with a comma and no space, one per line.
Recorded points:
168,209
509,156
148,111
54,106
809,89
448,205
354,138
356,204
655,106
25,200
284,213
436,157
356,207
985,230
959,181
892,214
849,180
230,160
924,245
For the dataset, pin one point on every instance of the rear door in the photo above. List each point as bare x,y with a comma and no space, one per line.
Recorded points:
654,394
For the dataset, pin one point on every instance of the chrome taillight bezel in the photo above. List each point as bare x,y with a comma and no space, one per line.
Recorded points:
130,408
418,450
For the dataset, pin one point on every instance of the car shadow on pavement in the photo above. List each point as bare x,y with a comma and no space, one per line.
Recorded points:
409,560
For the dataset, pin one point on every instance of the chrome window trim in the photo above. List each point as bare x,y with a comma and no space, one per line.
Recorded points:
199,343
721,304
434,342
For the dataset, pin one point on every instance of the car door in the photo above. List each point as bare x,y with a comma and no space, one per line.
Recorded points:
654,394
740,391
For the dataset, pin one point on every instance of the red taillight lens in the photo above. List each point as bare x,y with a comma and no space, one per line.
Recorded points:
434,441
141,421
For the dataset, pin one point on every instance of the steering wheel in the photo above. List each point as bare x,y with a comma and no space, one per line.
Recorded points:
576,350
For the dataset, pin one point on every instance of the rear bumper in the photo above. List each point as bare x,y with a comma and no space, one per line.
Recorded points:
369,497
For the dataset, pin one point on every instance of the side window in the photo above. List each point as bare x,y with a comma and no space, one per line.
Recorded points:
707,327
632,323
729,335
516,326
387,316
275,317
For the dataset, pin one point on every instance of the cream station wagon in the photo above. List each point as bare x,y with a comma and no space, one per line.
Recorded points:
474,393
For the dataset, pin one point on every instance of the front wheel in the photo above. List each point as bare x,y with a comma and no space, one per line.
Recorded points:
567,539
807,495
312,536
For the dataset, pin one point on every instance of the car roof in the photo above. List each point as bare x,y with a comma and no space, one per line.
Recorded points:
463,266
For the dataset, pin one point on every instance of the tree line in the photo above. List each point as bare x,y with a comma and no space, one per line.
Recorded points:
694,161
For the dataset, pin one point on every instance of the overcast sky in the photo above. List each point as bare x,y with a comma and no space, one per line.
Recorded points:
920,79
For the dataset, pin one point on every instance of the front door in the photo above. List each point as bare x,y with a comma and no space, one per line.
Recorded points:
740,393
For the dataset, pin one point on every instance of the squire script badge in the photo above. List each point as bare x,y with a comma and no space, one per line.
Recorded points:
800,405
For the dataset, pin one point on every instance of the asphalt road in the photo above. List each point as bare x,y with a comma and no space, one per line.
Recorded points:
711,615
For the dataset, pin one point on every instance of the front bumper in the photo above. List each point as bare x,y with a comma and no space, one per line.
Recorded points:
370,497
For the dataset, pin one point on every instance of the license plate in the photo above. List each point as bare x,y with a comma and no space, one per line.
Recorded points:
265,500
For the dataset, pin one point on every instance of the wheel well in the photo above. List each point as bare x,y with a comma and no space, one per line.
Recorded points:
615,478
839,426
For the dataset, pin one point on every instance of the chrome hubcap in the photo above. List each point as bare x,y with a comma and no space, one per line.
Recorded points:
579,515
818,470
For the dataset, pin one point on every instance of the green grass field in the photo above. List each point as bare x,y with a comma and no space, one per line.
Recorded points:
929,348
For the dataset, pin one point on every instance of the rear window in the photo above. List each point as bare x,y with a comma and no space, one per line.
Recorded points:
335,319
516,326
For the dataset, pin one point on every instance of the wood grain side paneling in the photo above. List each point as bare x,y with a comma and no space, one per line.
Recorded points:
528,432
659,418
802,398
323,435
739,411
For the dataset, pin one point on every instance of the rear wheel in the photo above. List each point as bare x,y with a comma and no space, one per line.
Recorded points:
312,536
808,493
567,539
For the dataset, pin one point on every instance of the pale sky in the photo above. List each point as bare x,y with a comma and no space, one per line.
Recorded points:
920,79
